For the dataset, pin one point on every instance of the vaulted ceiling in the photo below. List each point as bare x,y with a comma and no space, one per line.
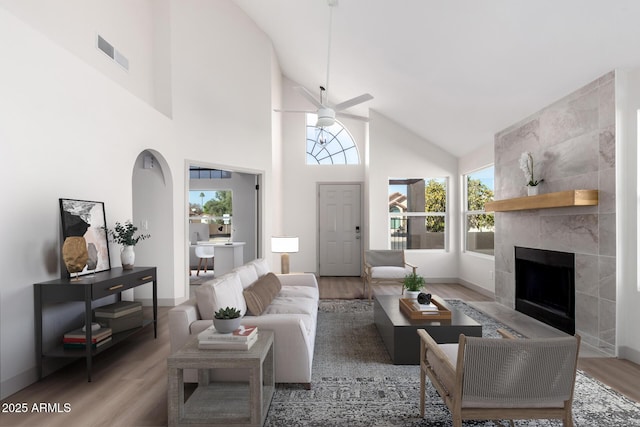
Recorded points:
454,72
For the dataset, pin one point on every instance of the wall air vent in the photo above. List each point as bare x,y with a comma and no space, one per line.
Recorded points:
108,49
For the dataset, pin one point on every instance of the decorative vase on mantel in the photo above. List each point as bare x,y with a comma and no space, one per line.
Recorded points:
127,257
532,190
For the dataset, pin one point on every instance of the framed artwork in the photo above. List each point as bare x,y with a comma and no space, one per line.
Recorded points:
86,219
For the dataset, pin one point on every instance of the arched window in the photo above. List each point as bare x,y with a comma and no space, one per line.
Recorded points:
330,145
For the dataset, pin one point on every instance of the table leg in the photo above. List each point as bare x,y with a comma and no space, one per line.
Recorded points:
175,396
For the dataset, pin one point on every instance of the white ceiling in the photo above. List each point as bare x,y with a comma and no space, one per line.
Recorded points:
452,71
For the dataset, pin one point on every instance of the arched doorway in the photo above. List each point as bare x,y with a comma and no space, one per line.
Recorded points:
152,195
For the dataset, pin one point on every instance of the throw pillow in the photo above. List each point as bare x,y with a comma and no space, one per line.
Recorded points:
247,274
261,266
223,292
259,295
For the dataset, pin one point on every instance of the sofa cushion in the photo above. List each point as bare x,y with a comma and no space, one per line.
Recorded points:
225,291
261,266
259,295
292,305
299,292
247,274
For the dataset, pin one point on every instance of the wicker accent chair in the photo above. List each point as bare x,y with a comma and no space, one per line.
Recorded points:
493,379
383,266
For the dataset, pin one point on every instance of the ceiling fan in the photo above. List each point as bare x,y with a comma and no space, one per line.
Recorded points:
327,112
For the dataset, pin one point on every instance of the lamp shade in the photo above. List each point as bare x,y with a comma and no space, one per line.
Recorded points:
284,244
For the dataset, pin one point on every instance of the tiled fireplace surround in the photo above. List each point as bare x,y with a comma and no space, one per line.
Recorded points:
573,146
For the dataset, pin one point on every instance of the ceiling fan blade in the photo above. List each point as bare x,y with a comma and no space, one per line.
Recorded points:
304,92
353,101
277,110
352,116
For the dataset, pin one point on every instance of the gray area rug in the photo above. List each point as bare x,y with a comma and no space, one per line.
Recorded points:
355,384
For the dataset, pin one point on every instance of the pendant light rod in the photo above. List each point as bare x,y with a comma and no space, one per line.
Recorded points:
331,3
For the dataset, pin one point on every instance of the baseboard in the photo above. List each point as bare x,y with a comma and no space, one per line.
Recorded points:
441,280
478,289
18,382
630,354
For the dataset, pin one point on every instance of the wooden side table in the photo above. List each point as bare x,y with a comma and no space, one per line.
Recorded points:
222,403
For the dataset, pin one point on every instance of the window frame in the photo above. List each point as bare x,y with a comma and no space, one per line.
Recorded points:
391,215
466,213
343,153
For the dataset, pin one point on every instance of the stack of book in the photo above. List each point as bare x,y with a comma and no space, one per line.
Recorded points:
430,308
119,316
77,339
240,339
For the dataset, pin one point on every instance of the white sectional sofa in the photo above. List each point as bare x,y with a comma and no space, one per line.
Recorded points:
290,312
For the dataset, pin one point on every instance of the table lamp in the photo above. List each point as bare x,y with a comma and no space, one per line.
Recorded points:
285,246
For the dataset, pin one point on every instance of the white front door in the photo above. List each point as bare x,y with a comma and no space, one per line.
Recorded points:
340,230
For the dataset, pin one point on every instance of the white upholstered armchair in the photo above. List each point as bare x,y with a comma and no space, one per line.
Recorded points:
384,266
493,378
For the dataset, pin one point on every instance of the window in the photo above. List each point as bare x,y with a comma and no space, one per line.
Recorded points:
330,145
479,226
418,213
212,207
206,173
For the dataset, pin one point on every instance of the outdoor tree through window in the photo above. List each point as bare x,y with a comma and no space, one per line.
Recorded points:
418,213
213,207
479,225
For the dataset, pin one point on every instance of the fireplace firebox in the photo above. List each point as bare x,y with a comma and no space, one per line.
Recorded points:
545,286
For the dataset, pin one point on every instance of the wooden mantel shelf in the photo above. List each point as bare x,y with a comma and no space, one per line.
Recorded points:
544,201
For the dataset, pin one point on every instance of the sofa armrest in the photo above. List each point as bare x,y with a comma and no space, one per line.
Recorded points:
293,344
180,319
298,279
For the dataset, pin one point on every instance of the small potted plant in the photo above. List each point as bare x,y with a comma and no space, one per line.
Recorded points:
124,234
227,320
413,283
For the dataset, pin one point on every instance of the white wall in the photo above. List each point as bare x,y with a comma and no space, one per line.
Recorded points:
300,208
67,130
56,141
222,94
627,199
395,152
127,25
474,269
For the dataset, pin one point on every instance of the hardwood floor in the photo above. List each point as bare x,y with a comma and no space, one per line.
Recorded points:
129,385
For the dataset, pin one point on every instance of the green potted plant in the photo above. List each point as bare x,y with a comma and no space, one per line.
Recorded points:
227,320
125,235
413,283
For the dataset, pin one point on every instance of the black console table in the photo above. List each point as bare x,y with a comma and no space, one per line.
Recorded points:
88,289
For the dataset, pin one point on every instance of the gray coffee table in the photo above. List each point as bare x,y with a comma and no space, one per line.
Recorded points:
225,403
399,332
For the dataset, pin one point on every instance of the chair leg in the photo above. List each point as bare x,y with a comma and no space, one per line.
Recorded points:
199,265
364,286
206,261
567,421
422,393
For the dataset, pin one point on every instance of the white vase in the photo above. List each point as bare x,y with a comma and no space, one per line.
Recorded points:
532,190
127,257
412,294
